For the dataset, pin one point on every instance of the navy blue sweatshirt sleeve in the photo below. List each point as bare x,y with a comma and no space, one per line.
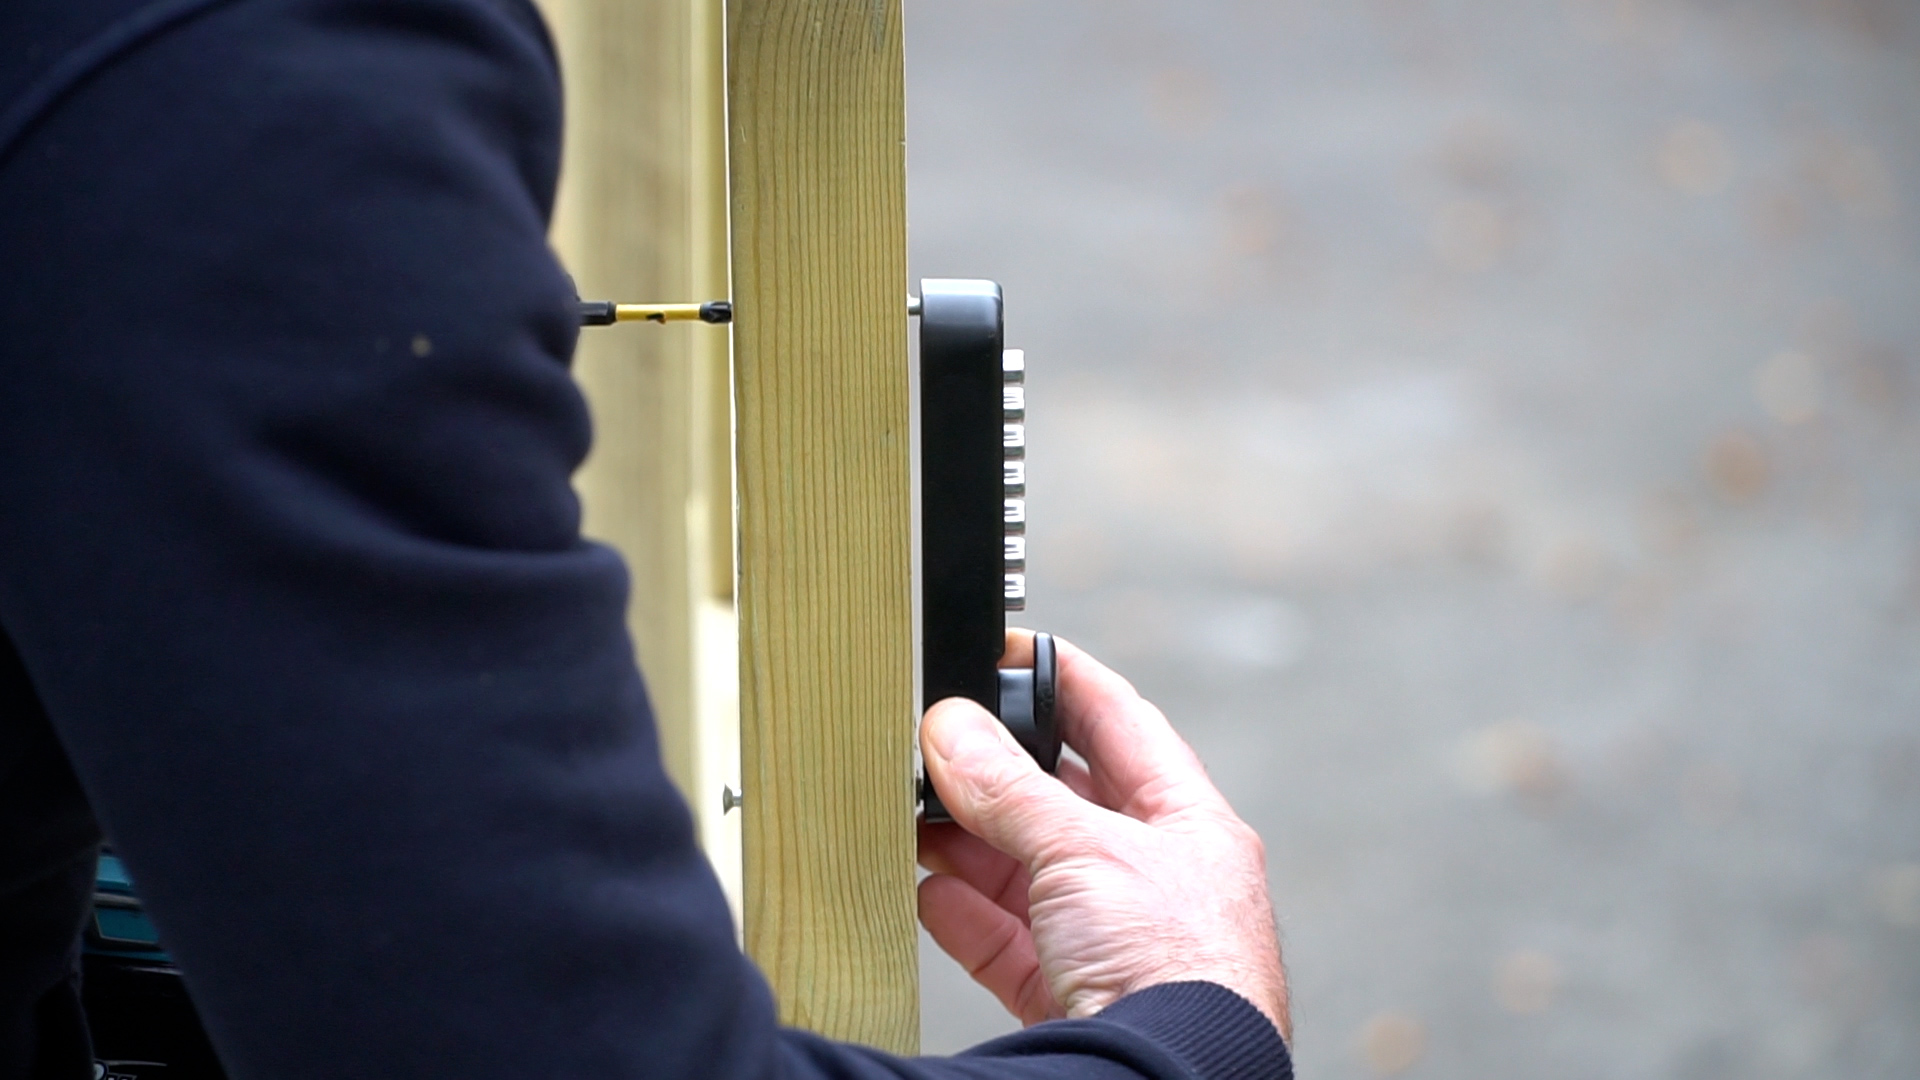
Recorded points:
292,563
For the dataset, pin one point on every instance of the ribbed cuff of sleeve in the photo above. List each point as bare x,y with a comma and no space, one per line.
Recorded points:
1214,1031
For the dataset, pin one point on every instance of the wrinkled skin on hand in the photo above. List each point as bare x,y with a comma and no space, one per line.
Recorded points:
1062,895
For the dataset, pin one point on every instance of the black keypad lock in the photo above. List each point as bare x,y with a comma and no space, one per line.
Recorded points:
973,517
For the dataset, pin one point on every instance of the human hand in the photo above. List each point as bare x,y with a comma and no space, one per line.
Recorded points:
1063,895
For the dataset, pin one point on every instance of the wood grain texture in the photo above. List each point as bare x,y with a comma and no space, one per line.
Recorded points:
817,123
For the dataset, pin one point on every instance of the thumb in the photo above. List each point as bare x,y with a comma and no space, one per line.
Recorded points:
993,788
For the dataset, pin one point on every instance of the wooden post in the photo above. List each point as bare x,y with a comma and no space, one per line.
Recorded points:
822,685
816,130
642,217
710,522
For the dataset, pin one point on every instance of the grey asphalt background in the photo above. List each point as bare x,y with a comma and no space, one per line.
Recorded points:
1492,432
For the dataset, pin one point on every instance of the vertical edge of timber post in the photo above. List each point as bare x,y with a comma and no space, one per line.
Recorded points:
816,137
624,228
710,531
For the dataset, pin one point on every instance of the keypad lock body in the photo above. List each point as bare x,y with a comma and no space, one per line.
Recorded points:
973,517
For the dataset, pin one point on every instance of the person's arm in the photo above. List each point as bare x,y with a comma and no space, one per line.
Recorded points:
293,562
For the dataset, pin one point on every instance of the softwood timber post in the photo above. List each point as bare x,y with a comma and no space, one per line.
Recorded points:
816,130
642,217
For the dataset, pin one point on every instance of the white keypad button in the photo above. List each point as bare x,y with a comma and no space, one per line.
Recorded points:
1016,593
1014,476
1016,552
1013,403
1013,365
1016,515
1014,440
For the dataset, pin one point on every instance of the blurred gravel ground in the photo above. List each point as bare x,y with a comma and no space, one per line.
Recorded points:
1492,432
